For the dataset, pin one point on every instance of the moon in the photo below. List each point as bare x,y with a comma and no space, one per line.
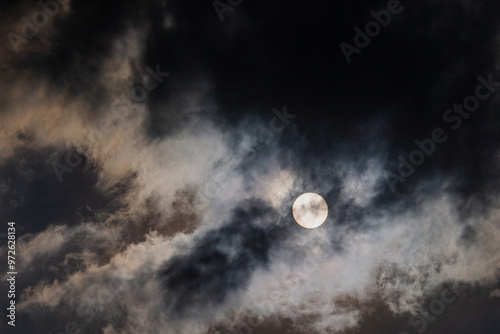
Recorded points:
310,210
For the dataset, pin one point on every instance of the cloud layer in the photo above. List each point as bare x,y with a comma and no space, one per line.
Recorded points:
146,161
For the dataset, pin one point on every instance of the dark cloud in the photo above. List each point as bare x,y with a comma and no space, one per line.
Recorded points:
32,193
221,261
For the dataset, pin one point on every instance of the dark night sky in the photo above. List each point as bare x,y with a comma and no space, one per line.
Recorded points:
152,191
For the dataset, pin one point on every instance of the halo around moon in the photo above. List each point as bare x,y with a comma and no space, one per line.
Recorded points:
310,210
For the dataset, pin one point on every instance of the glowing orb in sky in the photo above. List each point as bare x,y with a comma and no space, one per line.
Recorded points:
310,210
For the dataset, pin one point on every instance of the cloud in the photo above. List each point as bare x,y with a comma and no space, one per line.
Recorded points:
173,214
